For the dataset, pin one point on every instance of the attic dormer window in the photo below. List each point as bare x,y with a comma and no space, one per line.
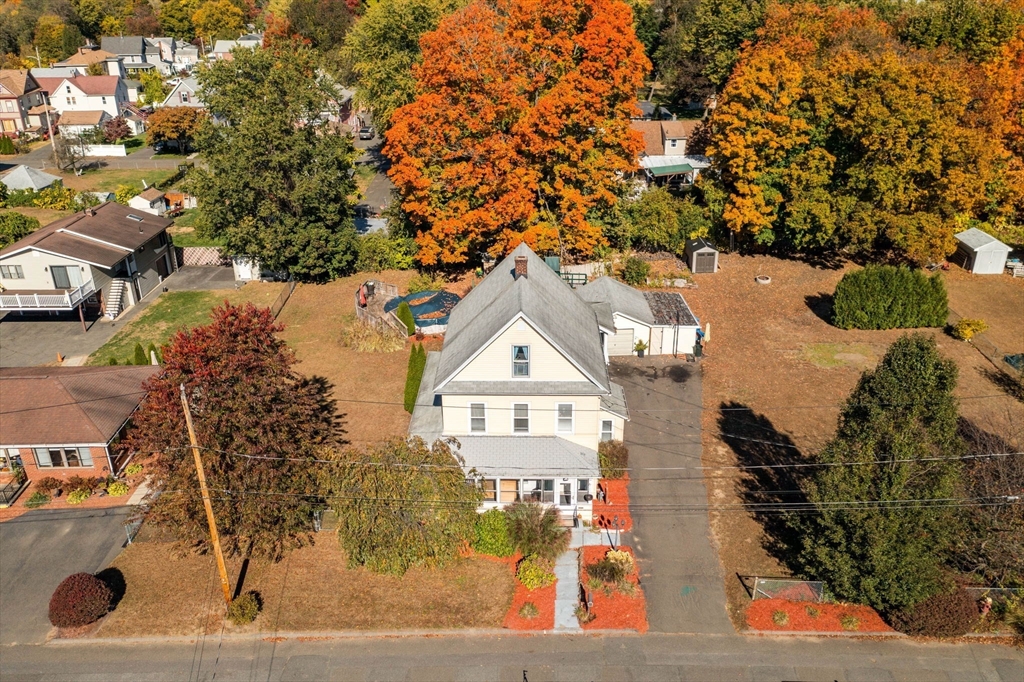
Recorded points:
132,216
521,361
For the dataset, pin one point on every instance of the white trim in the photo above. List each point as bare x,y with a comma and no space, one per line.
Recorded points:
54,253
633,319
528,361
572,418
469,406
57,445
529,418
601,431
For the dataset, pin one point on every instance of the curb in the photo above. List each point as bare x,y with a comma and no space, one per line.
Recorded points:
820,633
336,634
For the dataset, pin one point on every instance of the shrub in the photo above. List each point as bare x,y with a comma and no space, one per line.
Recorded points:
366,338
636,271
943,615
133,469
79,496
81,599
404,314
139,357
612,568
112,361
48,484
379,251
582,615
37,499
118,489
21,197
812,612
535,529
244,608
7,145
14,226
780,618
613,457
529,610
966,328
887,297
535,573
849,623
81,483
417,361
492,536
425,282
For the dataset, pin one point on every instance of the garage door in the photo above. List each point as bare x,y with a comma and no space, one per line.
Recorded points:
621,343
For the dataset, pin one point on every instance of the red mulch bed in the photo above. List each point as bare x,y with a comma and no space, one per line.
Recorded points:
616,611
543,598
759,617
616,503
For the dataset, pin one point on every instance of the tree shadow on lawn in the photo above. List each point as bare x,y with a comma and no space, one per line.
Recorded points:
757,443
1009,385
821,305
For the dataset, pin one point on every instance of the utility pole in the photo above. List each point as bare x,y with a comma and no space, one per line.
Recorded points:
206,500
46,110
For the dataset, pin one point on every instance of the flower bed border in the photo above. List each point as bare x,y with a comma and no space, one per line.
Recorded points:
617,611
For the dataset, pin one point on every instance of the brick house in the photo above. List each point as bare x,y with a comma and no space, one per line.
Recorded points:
63,421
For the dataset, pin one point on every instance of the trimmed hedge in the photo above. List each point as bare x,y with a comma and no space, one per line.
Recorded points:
417,361
887,297
636,271
81,599
942,615
613,458
404,314
492,535
535,573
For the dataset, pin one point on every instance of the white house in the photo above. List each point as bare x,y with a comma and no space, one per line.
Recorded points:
661,319
104,259
140,55
91,93
522,384
89,55
665,155
222,48
185,93
151,201
980,252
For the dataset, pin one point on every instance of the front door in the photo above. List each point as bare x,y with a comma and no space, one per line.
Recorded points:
565,494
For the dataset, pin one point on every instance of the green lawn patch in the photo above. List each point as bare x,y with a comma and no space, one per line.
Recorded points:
134,144
828,355
109,180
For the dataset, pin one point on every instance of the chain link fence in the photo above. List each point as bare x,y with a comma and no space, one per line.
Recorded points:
787,588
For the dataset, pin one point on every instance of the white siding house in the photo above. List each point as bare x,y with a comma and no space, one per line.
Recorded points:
522,384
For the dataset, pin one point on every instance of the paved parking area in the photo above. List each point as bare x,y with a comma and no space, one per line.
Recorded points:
679,567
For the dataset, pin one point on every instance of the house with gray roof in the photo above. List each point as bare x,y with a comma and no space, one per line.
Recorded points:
522,384
26,177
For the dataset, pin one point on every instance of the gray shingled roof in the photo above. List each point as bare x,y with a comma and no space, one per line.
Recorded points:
527,456
615,402
26,177
122,45
623,298
977,239
542,296
669,307
603,310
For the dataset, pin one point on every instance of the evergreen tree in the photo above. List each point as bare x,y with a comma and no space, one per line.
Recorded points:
879,529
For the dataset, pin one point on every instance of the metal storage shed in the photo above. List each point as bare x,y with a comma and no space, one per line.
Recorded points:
980,252
701,256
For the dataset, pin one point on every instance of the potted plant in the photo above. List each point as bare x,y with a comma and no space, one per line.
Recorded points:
640,347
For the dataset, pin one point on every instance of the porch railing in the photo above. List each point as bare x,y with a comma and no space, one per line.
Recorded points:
67,300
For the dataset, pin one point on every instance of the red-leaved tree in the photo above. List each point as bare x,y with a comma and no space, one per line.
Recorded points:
520,127
258,424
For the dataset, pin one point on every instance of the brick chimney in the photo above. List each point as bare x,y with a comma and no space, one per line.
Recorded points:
520,266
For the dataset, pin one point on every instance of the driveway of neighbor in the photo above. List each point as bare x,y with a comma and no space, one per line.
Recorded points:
38,550
36,339
679,567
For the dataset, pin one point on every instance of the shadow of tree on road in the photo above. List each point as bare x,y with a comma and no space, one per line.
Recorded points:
757,443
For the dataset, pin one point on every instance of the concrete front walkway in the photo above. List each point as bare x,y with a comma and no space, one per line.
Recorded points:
567,591
679,567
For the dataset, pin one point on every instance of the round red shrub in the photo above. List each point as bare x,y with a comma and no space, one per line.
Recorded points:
81,599
941,615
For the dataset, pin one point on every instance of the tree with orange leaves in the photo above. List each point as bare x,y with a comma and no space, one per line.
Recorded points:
520,127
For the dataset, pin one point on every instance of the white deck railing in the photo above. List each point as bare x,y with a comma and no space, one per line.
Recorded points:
68,300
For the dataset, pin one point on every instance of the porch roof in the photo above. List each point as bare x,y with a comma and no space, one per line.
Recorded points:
527,457
675,169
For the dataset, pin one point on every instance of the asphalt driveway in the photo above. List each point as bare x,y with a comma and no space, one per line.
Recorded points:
679,566
38,550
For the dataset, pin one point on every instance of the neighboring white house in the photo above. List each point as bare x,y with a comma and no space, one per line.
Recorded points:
185,57
91,93
980,252
89,55
151,201
105,258
26,177
222,48
522,384
80,122
661,319
665,155
140,54
185,93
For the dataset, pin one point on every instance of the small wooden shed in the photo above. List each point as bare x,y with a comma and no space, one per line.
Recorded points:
980,252
701,256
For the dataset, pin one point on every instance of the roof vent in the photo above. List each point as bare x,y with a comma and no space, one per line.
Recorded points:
520,266
89,212
132,216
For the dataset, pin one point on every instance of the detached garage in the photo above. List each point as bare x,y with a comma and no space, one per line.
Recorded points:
980,252
661,319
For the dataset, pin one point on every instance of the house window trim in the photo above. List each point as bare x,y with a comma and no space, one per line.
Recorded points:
527,361
469,408
572,418
63,448
12,272
601,431
528,425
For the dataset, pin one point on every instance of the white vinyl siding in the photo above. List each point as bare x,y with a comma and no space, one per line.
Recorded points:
494,362
521,418
477,418
607,430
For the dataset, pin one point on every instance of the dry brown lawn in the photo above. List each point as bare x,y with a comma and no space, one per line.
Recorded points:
369,387
310,590
771,351
45,216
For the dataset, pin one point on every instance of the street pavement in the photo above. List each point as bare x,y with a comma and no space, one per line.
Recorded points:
648,658
679,567
37,551
143,159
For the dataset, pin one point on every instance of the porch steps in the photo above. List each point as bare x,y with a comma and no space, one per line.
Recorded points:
115,300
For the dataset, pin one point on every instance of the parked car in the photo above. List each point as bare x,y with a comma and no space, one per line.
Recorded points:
366,133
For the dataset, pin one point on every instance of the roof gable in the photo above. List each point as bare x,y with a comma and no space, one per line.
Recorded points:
552,308
26,177
623,299
980,240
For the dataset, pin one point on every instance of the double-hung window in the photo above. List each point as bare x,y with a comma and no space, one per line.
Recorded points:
477,418
520,418
565,418
606,429
520,361
12,272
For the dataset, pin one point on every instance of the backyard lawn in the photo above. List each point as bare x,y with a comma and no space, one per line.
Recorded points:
175,310
784,371
45,216
368,386
103,180
310,590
